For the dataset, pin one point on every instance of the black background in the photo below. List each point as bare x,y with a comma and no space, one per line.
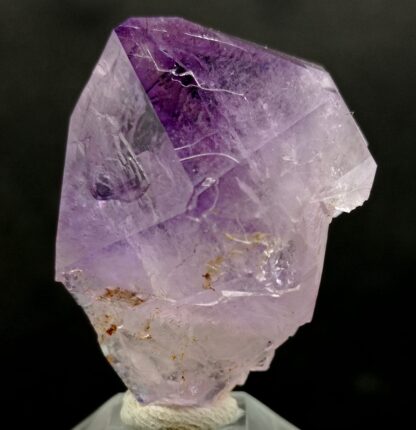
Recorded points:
351,368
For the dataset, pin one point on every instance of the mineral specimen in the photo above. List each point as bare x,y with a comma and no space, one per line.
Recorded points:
201,175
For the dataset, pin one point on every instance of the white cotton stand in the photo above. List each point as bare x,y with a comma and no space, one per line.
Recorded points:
219,414
256,416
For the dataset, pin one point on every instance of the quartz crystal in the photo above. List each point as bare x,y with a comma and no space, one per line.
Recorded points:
201,175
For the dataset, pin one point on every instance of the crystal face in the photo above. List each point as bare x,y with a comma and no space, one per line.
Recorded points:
201,175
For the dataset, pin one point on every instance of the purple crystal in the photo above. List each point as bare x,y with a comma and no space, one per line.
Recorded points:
201,175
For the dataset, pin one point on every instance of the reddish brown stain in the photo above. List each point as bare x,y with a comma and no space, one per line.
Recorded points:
111,330
207,281
125,296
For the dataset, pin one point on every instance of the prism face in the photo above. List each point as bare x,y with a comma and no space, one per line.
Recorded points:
201,175
121,171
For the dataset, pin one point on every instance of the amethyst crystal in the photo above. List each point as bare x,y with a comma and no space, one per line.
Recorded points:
201,175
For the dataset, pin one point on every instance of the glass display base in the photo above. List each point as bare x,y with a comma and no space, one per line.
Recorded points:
257,416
